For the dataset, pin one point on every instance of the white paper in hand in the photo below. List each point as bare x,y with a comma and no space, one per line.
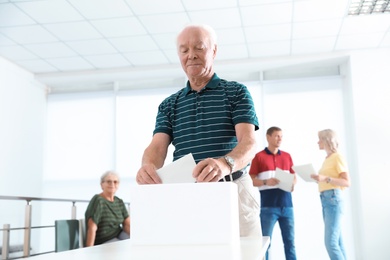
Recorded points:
304,171
286,179
179,171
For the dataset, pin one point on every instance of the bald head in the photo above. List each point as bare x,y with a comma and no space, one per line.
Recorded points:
206,30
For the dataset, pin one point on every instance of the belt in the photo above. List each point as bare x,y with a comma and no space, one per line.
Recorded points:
232,177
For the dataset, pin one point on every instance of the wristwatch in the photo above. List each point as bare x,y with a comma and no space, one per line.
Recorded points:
230,161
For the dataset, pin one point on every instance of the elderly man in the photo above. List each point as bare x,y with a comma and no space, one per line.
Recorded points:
211,118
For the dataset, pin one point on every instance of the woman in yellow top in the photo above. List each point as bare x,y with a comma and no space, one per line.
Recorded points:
333,177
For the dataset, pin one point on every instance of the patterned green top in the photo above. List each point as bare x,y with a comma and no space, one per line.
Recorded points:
107,215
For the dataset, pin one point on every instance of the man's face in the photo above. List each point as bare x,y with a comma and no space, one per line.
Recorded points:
195,53
275,140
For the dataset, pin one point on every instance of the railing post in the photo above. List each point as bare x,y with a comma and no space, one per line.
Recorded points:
5,251
27,230
74,210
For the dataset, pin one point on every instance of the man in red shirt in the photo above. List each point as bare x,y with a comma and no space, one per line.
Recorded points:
276,204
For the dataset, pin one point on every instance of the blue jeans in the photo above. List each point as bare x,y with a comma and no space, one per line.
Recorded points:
285,216
332,205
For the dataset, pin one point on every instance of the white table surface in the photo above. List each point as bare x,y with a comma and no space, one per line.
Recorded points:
249,249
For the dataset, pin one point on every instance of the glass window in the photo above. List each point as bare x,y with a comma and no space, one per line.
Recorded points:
136,115
80,130
302,108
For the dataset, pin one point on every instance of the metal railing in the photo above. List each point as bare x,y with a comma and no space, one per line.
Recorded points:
27,223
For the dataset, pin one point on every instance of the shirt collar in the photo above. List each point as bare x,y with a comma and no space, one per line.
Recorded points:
269,152
212,84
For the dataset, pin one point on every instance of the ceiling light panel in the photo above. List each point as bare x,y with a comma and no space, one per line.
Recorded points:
28,34
191,5
134,44
257,2
268,33
321,28
60,11
73,31
108,61
164,23
366,7
266,14
146,58
230,18
100,9
147,7
319,10
92,47
166,40
230,36
71,64
37,66
119,27
12,16
16,53
51,50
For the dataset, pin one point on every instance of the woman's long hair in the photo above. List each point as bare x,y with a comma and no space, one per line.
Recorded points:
329,137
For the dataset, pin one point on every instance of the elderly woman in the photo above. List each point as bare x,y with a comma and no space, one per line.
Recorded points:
332,179
107,219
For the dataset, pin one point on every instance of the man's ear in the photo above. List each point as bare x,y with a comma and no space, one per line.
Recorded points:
215,50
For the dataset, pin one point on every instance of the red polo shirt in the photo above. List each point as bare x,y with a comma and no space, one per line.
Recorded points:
264,164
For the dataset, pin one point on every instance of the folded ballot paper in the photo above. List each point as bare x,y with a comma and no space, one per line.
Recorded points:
179,171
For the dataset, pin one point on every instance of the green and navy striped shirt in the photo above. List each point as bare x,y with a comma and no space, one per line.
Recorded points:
107,215
202,123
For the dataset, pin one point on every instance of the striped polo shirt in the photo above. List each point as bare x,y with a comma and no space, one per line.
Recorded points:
202,123
107,215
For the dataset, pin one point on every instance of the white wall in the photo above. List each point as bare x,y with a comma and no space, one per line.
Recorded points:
22,118
22,121
371,109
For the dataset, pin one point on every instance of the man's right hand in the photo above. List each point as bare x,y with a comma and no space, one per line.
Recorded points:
272,182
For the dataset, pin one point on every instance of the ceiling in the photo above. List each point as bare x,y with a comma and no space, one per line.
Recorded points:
77,43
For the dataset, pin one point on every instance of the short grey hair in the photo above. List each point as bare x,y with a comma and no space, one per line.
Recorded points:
329,137
210,31
110,172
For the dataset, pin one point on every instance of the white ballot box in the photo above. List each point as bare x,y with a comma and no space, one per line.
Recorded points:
185,214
